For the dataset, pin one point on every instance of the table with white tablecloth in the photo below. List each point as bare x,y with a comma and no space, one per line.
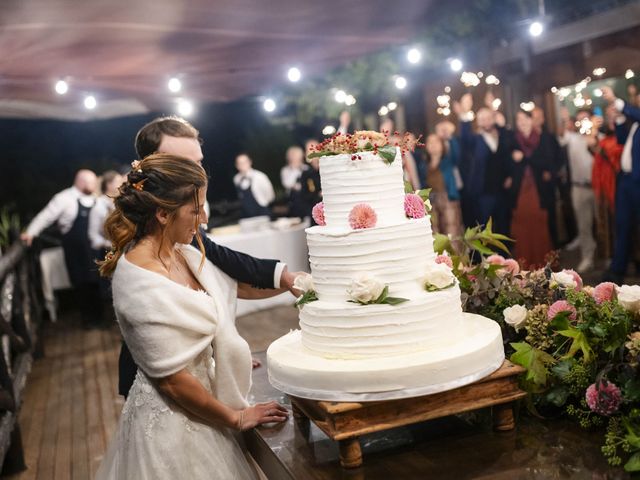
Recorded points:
285,244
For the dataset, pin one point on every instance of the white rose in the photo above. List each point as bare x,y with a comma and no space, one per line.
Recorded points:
365,289
439,275
563,279
629,297
516,316
304,282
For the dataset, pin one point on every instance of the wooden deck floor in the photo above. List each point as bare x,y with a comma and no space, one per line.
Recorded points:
71,402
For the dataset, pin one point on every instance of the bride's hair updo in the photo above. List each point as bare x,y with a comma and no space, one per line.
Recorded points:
160,181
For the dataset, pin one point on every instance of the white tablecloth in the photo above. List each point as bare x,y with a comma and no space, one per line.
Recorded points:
289,246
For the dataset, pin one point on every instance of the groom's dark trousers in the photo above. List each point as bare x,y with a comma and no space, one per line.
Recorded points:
239,266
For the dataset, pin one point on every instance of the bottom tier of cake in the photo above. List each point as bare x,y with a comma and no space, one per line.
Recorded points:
473,352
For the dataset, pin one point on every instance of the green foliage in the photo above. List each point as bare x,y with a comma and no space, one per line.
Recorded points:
383,298
534,360
306,297
9,226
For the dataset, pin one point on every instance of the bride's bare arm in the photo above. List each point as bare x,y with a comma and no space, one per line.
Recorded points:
248,292
184,389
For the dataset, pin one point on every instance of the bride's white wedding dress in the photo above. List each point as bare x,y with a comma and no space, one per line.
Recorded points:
169,327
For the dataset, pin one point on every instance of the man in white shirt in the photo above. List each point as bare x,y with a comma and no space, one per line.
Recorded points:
290,173
70,210
345,120
580,165
254,188
628,185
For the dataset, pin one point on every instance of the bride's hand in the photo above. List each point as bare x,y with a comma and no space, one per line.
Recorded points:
261,413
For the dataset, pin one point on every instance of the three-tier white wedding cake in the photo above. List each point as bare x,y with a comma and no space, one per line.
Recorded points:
386,321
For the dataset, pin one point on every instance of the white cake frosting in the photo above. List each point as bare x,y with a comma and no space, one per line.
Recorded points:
348,351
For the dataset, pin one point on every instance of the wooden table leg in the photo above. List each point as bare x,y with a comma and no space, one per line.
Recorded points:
503,420
297,413
350,452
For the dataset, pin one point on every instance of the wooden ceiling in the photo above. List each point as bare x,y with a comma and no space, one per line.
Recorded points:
222,50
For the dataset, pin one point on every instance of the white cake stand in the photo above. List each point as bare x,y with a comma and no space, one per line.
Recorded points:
474,352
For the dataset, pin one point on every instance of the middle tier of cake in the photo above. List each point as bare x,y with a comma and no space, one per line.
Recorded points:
396,255
348,330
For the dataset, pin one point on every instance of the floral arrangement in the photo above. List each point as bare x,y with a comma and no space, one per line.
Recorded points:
366,141
362,216
580,345
304,283
438,277
366,290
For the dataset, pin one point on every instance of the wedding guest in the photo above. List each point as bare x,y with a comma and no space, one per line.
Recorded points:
345,120
446,215
290,173
111,181
627,214
254,188
606,166
310,185
580,167
410,165
176,310
486,155
530,190
446,129
69,210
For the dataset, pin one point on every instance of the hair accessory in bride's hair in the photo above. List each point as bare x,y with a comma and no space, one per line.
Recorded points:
139,185
109,255
135,166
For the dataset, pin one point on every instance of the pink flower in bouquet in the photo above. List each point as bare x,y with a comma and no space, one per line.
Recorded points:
604,398
561,306
604,292
413,206
496,259
318,213
362,216
446,259
511,266
576,277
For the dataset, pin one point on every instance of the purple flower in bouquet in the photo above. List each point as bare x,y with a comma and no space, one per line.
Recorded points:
603,398
318,213
604,292
446,259
562,306
413,206
362,216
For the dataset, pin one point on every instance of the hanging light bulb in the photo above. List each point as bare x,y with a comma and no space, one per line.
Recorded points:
61,87
90,102
174,85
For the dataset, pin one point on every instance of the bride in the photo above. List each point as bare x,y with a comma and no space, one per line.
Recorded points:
176,312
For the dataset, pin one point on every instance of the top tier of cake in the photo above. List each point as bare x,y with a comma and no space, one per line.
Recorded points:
368,179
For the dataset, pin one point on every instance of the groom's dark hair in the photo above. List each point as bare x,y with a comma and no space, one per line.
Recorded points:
149,137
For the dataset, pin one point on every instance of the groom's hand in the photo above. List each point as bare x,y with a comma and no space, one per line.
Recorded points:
287,279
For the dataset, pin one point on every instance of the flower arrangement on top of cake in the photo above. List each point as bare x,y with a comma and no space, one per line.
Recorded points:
379,143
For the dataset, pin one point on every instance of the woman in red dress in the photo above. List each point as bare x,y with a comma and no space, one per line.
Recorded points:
530,190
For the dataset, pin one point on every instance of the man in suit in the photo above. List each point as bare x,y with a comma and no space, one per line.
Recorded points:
176,136
627,213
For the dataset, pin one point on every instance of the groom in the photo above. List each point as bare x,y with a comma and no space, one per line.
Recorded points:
176,136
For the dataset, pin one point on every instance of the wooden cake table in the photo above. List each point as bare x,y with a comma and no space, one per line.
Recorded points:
346,422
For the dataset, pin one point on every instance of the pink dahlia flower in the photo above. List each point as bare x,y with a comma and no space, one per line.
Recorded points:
576,277
496,259
511,266
318,213
362,216
413,206
561,306
446,259
604,398
604,292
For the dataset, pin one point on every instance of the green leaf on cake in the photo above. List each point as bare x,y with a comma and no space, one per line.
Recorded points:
408,188
383,299
388,153
307,297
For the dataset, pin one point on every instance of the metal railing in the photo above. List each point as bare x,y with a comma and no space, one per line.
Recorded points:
21,315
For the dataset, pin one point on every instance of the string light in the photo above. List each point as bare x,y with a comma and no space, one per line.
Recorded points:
492,80
294,74
392,106
269,105
447,89
414,56
90,102
495,104
599,71
629,74
61,87
401,83
455,64
527,106
174,85
469,79
597,92
340,96
536,29
329,130
350,100
383,111
185,108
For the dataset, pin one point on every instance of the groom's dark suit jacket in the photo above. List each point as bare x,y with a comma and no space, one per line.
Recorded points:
239,266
